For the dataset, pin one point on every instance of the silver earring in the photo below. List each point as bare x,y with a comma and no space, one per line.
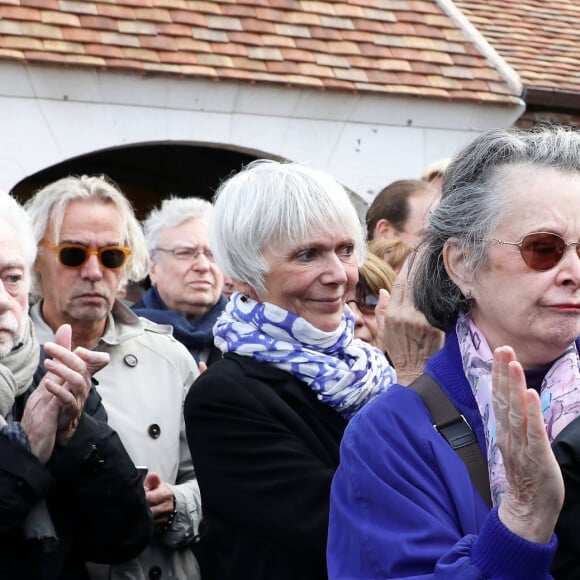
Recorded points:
469,298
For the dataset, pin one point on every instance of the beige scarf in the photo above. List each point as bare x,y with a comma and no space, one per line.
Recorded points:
17,369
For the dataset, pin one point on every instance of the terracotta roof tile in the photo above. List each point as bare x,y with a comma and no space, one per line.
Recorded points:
41,30
153,14
187,17
81,35
60,18
237,10
11,28
136,27
99,23
19,13
45,4
113,52
539,39
11,54
21,43
78,7
119,39
177,58
181,30
399,47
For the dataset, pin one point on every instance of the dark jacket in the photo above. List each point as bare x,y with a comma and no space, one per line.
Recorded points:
93,493
566,448
265,450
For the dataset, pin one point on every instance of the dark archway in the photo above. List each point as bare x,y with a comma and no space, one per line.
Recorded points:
147,173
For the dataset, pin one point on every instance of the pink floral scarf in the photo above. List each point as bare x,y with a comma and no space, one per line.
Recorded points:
559,394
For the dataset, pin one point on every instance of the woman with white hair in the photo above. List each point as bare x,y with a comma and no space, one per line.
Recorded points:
264,423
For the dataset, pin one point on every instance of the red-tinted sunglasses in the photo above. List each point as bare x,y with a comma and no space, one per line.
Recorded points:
541,251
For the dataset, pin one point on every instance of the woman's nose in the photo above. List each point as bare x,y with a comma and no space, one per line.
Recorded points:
336,270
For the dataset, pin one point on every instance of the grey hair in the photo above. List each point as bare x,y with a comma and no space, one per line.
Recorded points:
173,212
272,203
473,203
11,212
50,203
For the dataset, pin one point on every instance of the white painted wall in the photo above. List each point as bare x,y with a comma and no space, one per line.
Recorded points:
50,114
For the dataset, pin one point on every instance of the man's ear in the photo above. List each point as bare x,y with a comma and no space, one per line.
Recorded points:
153,271
385,229
457,265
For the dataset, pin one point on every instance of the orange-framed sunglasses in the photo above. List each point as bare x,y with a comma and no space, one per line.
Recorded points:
76,255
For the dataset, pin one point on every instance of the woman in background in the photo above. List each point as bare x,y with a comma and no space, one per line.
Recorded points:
373,276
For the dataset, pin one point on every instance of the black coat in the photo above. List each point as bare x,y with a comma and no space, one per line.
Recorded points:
93,493
265,450
566,448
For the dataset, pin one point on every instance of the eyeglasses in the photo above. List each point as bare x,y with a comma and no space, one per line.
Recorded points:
366,304
188,253
77,255
541,251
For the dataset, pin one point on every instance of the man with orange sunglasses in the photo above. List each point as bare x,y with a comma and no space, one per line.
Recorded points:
89,242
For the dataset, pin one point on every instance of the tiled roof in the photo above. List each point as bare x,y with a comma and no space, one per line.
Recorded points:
399,47
539,39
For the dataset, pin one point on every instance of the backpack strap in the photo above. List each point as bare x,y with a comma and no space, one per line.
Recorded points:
456,431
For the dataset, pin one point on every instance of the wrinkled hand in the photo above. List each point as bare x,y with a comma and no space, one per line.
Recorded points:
40,422
160,498
407,337
535,490
69,379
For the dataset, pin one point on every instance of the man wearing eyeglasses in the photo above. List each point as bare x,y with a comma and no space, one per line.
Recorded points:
89,242
187,285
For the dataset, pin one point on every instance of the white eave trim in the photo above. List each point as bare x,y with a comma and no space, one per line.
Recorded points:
507,73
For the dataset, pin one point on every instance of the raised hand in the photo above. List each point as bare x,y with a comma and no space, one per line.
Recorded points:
40,422
407,337
535,490
69,379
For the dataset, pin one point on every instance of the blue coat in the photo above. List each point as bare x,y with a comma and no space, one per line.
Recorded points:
402,501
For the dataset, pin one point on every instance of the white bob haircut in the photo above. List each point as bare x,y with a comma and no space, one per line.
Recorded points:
12,213
173,212
50,203
276,204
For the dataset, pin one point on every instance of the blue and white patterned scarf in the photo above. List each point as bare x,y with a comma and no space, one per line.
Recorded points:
344,372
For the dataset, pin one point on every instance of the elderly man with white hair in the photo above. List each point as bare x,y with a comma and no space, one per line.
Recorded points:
69,490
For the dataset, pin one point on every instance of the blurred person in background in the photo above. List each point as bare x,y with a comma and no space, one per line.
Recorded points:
435,172
400,211
186,284
373,275
393,251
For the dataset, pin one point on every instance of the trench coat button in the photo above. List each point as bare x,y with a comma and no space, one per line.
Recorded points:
130,360
154,573
154,431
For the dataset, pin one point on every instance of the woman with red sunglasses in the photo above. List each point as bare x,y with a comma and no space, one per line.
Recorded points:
499,272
